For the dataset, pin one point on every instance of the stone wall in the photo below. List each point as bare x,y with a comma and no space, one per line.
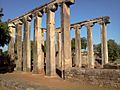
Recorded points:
100,77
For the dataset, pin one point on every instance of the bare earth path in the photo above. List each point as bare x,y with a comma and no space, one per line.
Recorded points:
55,82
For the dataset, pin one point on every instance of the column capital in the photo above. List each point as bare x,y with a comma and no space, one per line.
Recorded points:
39,13
101,22
27,18
77,27
11,25
104,21
88,25
52,7
19,21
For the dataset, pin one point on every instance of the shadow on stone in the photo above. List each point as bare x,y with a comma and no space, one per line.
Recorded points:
6,65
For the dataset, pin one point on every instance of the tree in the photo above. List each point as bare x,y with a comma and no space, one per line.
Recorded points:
1,13
113,50
73,44
97,49
83,43
4,32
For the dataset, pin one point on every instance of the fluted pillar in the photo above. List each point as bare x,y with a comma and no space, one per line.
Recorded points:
66,41
26,45
77,47
90,46
38,62
50,42
11,42
104,47
58,50
19,46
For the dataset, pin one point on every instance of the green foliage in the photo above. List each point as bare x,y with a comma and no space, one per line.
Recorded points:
83,43
97,48
4,34
113,50
73,44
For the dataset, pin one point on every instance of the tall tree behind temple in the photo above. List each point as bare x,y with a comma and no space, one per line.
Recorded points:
4,31
83,43
113,50
1,13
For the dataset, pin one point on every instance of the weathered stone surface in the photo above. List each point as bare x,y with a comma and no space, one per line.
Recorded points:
77,47
38,61
50,42
19,47
111,66
66,42
58,50
101,77
26,47
11,43
90,46
104,47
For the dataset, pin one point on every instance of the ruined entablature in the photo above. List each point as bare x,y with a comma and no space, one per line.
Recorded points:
53,5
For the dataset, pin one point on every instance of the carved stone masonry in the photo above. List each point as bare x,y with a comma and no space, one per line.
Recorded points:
104,47
38,62
19,45
77,46
66,41
90,46
11,42
50,42
26,45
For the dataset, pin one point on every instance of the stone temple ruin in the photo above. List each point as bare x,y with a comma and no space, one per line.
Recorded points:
59,57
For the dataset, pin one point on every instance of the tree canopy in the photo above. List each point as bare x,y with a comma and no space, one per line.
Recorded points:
4,34
4,31
113,50
83,43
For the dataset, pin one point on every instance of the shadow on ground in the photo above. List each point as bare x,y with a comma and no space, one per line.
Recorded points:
6,65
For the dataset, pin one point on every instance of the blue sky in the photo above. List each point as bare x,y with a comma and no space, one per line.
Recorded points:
81,10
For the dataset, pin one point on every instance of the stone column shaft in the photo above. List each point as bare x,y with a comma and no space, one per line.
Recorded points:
90,47
104,47
38,62
19,47
58,47
66,41
77,48
26,47
50,44
11,43
43,49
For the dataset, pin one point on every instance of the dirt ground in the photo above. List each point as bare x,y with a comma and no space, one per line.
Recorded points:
55,82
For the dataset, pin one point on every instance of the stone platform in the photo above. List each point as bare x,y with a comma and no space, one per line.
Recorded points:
29,81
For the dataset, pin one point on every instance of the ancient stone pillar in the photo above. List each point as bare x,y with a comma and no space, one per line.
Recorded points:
26,45
58,49
19,46
38,62
43,49
77,47
104,47
50,42
66,41
11,42
90,46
